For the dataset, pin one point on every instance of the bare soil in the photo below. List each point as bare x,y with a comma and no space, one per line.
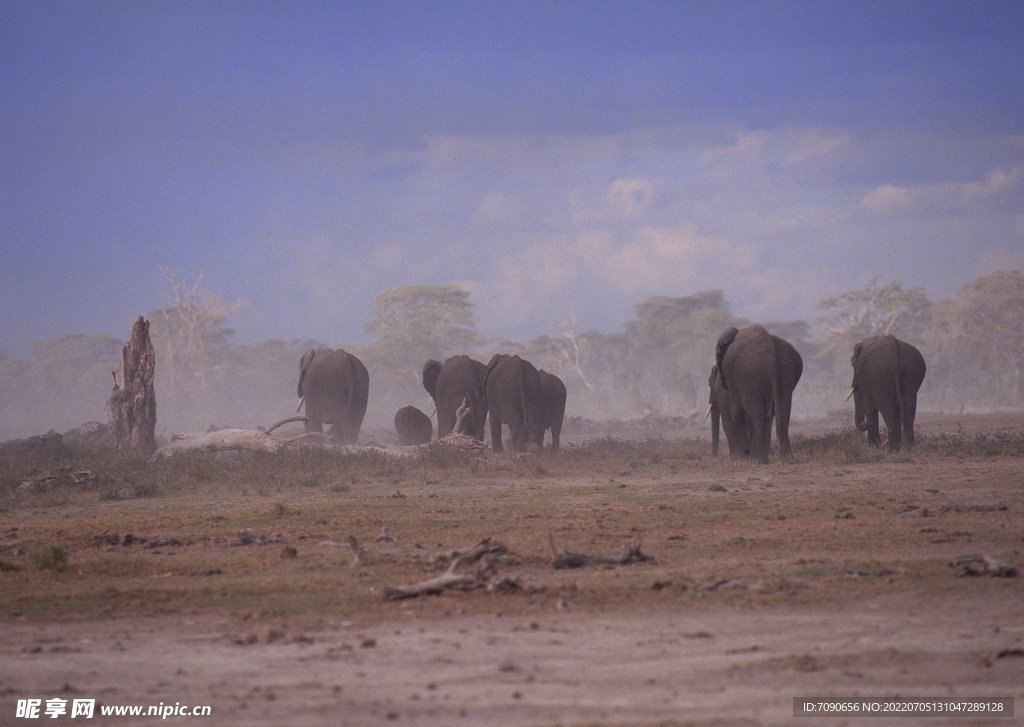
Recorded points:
836,576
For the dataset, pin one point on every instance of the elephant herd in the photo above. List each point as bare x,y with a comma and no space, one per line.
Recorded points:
334,385
755,374
751,385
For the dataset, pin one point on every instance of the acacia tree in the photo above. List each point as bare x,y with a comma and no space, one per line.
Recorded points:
191,333
875,310
414,323
671,348
977,340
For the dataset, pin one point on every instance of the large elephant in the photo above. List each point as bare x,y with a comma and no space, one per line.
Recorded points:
887,373
719,409
334,385
413,426
515,398
760,372
459,380
554,395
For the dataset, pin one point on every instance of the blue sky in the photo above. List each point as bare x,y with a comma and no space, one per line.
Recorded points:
560,160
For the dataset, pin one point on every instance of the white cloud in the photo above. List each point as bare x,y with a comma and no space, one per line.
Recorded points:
630,197
889,200
657,258
747,145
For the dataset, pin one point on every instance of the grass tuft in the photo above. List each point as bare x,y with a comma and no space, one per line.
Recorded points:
53,557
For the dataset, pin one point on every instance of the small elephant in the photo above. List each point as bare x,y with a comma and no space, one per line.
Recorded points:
413,427
515,398
334,385
736,434
887,374
760,372
459,380
553,391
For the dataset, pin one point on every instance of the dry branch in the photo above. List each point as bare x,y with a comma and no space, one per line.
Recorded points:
631,553
484,576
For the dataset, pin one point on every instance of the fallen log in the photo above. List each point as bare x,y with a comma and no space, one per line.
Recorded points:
219,441
631,553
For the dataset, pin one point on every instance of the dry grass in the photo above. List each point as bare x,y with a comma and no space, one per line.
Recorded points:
838,523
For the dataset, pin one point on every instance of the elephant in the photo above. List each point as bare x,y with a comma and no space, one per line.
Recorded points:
553,391
413,426
887,373
334,385
458,380
720,411
760,372
515,398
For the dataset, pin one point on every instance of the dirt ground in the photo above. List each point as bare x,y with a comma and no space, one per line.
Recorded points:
836,577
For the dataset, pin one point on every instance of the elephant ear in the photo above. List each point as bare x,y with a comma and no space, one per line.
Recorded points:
431,369
715,375
304,362
857,349
727,337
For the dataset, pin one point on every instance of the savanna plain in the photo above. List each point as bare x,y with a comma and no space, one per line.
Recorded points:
630,579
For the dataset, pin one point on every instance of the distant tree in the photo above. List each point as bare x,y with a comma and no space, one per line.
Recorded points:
65,361
977,340
876,310
414,323
672,347
190,334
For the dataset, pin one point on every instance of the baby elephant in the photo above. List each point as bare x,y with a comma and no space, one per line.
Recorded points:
413,426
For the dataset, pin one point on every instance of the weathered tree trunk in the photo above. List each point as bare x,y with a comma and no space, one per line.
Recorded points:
132,403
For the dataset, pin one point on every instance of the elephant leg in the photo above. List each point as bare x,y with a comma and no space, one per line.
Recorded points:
520,435
909,415
762,437
314,425
894,429
556,433
445,421
782,425
871,424
496,444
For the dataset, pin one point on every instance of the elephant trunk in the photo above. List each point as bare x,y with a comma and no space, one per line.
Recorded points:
860,418
715,420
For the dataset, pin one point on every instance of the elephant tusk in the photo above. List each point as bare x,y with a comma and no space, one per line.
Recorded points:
302,399
849,395
708,412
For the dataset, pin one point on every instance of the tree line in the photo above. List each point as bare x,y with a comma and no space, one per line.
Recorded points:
657,364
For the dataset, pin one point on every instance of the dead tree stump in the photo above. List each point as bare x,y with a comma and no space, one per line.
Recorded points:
132,403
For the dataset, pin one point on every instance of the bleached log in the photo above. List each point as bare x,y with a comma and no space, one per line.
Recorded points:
223,440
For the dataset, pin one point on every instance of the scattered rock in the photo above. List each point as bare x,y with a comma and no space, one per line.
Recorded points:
247,537
974,508
977,564
163,542
59,476
107,537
